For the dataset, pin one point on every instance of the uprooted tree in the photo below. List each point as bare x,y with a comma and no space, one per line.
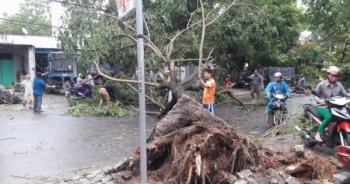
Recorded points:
190,145
180,32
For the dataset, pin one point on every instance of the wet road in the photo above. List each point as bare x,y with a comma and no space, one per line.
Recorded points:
251,120
52,145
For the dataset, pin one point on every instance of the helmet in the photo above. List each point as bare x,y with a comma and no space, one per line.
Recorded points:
333,70
278,74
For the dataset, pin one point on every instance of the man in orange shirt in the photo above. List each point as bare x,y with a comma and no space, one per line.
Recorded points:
209,90
168,80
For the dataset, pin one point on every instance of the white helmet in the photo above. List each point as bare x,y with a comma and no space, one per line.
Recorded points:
278,74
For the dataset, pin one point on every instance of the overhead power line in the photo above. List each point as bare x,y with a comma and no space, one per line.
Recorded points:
29,23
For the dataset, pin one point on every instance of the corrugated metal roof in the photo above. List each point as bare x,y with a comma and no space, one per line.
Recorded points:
45,42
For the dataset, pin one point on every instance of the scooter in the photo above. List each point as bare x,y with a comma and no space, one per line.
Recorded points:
278,109
337,133
306,89
74,93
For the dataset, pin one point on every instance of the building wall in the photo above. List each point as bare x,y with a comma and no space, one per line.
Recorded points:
23,58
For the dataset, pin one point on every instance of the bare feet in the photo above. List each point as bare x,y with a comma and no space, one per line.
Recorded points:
318,137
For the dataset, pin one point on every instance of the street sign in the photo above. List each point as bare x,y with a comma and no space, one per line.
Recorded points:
126,9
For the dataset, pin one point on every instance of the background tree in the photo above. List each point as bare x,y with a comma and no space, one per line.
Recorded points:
329,22
33,15
176,33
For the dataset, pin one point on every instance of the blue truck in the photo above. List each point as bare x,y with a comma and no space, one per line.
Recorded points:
62,70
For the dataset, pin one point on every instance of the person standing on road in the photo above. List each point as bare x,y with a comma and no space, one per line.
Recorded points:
168,80
256,85
227,82
28,91
104,96
209,90
38,86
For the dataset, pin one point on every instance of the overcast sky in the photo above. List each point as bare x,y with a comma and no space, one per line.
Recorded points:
12,7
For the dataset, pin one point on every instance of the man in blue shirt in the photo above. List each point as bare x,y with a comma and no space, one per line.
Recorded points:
38,86
301,82
277,86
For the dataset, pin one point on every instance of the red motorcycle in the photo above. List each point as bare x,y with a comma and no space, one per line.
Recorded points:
337,133
305,89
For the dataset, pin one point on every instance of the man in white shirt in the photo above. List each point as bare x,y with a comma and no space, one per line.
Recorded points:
89,79
28,91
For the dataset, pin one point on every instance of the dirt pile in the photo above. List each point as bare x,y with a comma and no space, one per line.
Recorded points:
190,145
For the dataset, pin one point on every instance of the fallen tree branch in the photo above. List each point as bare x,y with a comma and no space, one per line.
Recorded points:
149,98
231,94
147,112
275,129
184,60
122,80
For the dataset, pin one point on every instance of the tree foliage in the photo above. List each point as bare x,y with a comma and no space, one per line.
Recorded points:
330,21
256,32
33,15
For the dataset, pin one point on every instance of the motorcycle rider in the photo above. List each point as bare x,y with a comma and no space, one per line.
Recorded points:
328,88
301,82
277,86
80,86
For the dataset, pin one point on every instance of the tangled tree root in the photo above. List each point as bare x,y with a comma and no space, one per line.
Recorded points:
190,145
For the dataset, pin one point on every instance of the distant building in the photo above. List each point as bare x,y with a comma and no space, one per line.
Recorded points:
23,54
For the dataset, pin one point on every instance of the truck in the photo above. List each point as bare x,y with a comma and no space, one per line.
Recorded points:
62,70
267,74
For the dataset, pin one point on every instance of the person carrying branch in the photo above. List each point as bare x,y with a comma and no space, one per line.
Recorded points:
209,90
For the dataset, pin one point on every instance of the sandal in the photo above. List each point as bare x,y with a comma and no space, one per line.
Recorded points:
318,138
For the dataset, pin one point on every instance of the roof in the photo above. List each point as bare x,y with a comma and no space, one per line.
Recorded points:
44,42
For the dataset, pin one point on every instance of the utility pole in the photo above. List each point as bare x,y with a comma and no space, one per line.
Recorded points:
141,86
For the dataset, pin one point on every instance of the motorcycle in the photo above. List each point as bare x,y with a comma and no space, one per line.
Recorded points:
75,93
305,89
278,111
337,133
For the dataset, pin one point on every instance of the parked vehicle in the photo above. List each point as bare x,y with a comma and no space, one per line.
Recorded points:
306,89
267,74
278,109
74,93
62,70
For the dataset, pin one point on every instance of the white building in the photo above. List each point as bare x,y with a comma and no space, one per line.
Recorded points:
22,54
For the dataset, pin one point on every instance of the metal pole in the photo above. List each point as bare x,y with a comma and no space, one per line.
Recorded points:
142,106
